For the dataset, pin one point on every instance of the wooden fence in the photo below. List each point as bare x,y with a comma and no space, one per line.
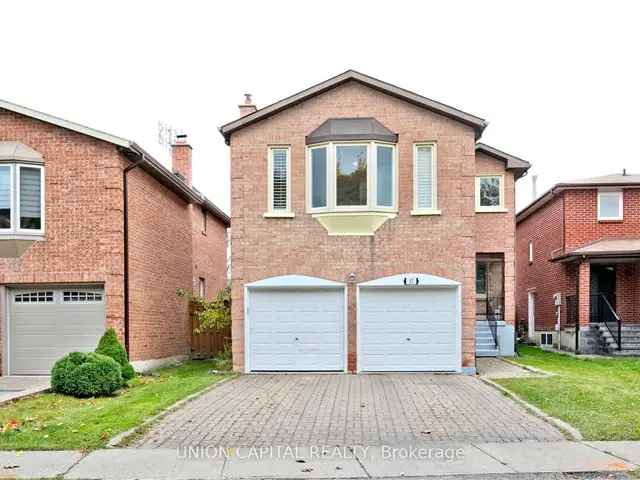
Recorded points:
208,343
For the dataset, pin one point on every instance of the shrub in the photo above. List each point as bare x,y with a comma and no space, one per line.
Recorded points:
222,361
111,347
86,375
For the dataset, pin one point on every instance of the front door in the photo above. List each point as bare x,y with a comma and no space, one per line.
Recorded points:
603,282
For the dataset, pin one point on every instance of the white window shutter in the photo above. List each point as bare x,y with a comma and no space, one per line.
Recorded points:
424,177
280,178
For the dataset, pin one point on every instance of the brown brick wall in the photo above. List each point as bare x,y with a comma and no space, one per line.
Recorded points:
209,253
545,229
440,245
495,232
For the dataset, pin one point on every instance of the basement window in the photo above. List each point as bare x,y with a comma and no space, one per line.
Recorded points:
546,339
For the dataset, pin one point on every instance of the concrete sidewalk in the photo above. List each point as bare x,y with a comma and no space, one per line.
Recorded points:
428,459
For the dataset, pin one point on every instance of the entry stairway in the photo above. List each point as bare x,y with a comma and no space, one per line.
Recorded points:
630,341
485,346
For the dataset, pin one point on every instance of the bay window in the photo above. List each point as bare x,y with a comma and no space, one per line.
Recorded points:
21,198
352,176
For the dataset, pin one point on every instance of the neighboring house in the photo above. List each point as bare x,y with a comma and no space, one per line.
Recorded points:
95,233
370,232
578,250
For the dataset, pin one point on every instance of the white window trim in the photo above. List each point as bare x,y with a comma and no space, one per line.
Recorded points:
284,212
620,194
434,200
12,215
372,178
42,205
530,251
498,208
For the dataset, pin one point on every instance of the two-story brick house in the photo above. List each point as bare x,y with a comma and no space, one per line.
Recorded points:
96,233
578,255
370,232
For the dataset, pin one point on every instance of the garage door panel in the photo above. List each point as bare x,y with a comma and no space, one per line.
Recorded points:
428,317
296,329
42,332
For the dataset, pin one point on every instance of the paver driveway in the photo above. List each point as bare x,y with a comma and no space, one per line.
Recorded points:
340,409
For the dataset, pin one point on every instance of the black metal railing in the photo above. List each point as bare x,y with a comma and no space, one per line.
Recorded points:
491,309
603,312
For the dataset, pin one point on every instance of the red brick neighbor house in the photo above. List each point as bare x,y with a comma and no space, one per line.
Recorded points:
370,232
96,233
578,263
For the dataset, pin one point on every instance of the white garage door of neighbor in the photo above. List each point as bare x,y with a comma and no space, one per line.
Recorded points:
47,323
295,329
408,329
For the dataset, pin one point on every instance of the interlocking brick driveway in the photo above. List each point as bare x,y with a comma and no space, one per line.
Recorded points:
334,409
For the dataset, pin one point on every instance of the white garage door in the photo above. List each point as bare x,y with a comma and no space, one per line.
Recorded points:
47,323
296,329
406,329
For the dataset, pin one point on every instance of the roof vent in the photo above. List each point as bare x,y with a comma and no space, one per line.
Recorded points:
624,172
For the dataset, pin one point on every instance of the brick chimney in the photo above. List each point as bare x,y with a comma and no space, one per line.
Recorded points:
248,106
181,158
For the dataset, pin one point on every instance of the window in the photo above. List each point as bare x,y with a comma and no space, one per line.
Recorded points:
424,178
610,205
204,221
202,290
21,198
546,339
34,297
489,193
81,296
481,278
279,180
530,252
351,176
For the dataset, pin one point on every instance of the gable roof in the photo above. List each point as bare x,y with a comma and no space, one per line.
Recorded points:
613,180
518,165
132,151
478,124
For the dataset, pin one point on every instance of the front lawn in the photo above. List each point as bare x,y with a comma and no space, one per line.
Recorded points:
598,396
51,421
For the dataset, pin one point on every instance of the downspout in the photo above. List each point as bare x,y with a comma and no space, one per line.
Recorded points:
125,212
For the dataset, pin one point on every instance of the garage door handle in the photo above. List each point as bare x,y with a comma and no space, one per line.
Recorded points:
408,339
297,339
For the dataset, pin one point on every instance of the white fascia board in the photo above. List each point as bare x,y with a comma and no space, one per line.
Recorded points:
76,127
300,281
424,280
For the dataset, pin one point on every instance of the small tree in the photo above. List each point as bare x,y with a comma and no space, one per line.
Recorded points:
212,314
111,347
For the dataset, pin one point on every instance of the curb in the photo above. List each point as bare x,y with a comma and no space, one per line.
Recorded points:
563,426
530,368
116,441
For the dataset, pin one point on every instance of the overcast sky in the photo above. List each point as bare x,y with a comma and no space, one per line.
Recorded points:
559,82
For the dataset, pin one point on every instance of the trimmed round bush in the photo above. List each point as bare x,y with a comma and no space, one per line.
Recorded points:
86,375
111,347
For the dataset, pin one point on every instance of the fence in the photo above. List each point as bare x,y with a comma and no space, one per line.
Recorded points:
209,342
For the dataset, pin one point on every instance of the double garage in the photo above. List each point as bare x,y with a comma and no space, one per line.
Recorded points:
45,323
409,322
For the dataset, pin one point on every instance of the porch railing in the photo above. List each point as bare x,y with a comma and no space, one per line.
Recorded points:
602,312
492,309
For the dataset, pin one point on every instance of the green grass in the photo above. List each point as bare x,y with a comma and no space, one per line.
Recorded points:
50,421
598,396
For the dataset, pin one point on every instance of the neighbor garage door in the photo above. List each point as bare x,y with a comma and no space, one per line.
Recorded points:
47,323
296,329
409,327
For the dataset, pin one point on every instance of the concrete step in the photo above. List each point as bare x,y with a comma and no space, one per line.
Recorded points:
625,353
487,352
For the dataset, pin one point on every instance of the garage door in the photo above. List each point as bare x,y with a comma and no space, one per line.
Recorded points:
47,323
413,327
296,329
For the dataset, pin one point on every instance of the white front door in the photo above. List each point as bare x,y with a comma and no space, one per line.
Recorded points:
296,329
532,315
409,329
47,323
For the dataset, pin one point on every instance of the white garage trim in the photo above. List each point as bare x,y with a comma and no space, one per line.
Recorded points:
411,281
297,282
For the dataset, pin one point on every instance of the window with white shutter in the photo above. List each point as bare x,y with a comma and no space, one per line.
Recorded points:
5,197
279,180
424,173
30,201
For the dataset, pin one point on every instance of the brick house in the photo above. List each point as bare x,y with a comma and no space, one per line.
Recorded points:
96,233
370,232
578,254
